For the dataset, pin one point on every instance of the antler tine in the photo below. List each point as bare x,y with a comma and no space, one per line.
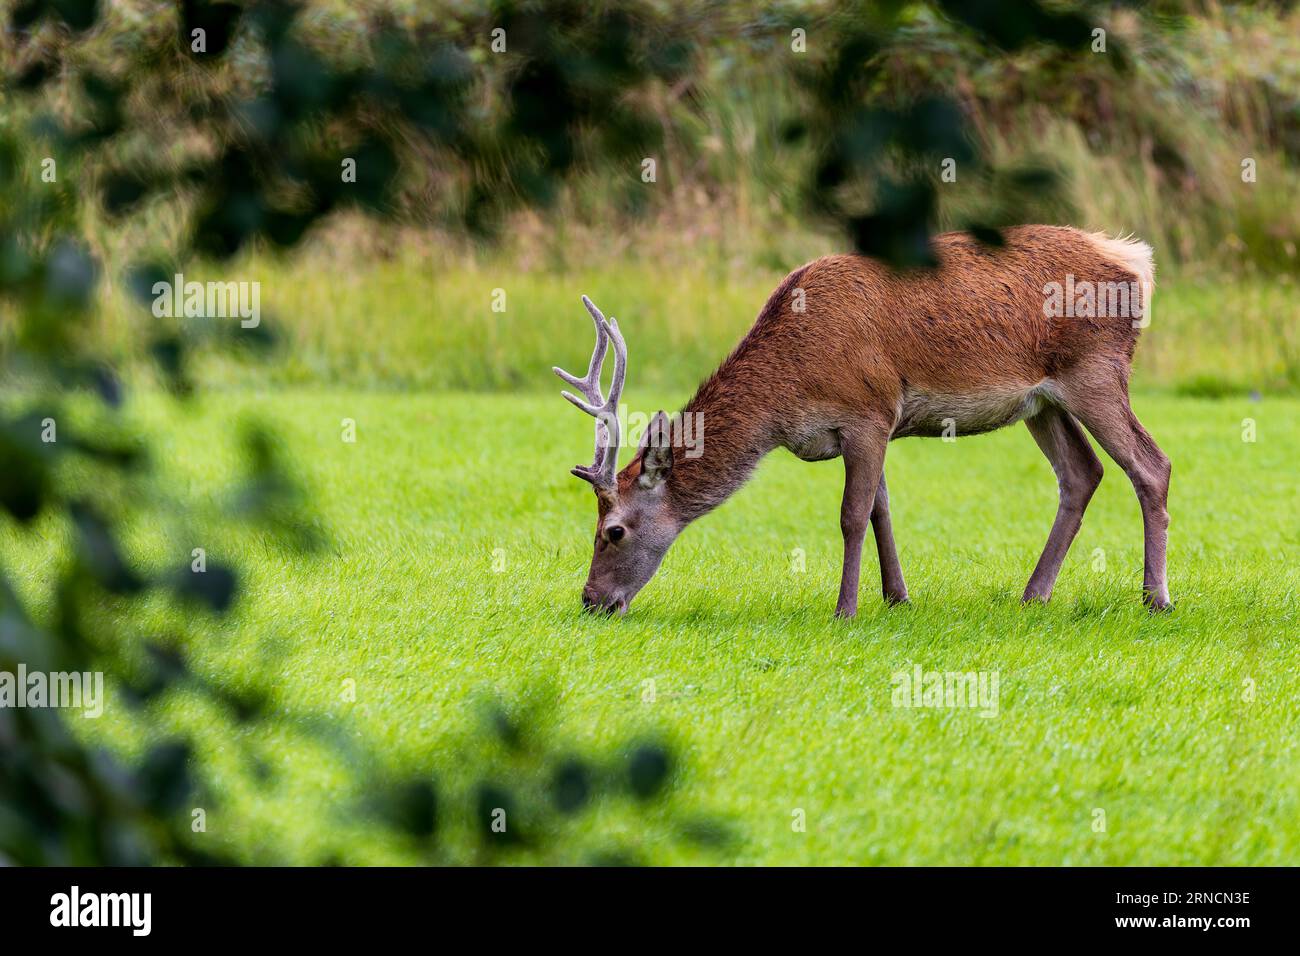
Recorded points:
605,410
590,384
609,464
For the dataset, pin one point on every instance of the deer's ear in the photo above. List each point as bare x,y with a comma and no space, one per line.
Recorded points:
656,451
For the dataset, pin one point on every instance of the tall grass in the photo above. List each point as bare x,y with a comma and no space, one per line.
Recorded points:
399,323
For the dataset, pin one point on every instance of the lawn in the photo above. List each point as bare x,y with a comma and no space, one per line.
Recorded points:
459,543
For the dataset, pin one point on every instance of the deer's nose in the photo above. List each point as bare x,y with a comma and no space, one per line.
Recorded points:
593,602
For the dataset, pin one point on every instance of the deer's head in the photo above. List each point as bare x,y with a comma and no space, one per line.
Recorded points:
635,520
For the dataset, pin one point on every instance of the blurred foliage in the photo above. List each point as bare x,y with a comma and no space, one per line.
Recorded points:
170,117
519,794
242,117
252,123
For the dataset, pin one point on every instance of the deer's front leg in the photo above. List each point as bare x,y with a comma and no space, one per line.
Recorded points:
864,461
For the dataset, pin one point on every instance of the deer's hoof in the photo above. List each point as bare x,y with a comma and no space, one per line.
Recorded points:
1156,601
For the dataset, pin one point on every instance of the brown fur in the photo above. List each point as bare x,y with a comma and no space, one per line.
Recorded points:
867,333
876,355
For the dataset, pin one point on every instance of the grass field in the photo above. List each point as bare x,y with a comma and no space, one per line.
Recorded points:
459,544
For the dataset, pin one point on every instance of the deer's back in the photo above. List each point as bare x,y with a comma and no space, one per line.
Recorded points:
976,324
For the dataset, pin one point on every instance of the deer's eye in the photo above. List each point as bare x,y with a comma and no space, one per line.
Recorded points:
615,533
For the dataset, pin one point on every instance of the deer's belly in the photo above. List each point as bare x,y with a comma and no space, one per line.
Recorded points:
816,445
933,414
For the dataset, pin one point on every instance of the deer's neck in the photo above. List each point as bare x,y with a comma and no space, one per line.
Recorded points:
733,424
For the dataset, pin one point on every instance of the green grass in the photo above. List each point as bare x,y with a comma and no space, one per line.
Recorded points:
777,706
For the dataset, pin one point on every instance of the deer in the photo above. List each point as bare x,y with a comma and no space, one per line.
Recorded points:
849,354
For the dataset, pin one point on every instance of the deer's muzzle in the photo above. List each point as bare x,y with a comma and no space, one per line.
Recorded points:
593,602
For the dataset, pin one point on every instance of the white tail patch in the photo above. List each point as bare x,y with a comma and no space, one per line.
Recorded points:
1129,253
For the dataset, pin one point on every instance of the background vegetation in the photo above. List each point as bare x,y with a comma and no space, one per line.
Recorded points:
1147,138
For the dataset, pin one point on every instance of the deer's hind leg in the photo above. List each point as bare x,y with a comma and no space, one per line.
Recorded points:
891,572
1100,402
1078,472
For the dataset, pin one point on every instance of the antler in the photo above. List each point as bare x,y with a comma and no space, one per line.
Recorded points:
605,410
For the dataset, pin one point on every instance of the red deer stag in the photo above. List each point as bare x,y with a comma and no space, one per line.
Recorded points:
847,355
